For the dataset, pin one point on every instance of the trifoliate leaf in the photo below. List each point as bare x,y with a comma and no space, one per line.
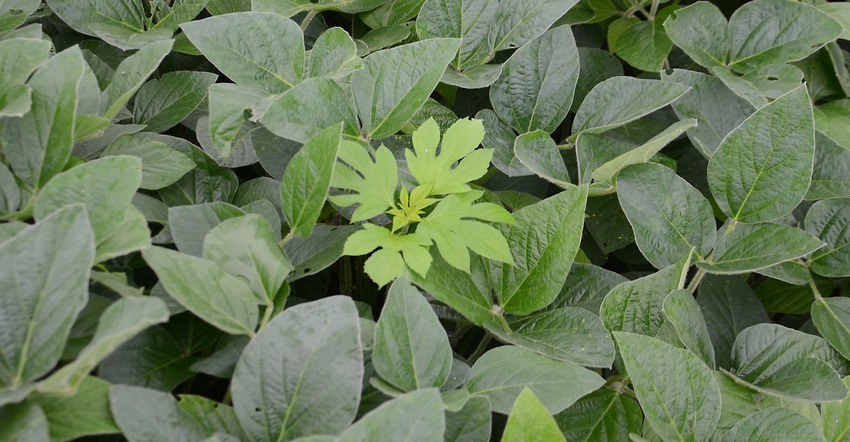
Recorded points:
451,230
396,250
374,182
459,144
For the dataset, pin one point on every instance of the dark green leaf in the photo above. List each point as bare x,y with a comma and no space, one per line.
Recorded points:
153,359
166,101
668,215
302,373
190,224
742,247
333,55
128,14
517,22
503,372
23,422
395,82
146,415
677,392
472,423
543,242
567,334
836,417
129,76
319,250
213,416
830,221
238,45
702,32
645,45
603,415
832,318
830,178
161,165
774,424
85,413
468,20
307,180
304,111
535,89
539,153
684,313
411,350
44,281
205,289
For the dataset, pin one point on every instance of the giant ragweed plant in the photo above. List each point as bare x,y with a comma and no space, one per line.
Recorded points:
440,210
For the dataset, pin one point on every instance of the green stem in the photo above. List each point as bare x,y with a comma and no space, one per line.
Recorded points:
286,238
692,286
267,315
306,22
653,10
815,290
482,347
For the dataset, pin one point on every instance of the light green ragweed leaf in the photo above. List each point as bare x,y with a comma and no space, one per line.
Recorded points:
374,181
458,144
396,251
450,227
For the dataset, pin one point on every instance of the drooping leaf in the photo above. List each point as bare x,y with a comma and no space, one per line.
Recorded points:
529,420
567,334
86,413
310,107
742,247
677,392
417,415
836,417
145,415
395,82
319,250
411,350
729,306
166,101
373,181
206,290
538,152
238,45
119,323
161,165
682,310
788,363
635,306
535,89
230,105
832,319
302,373
44,281
645,45
189,225
38,145
503,372
762,169
620,100
829,179
333,55
774,31
829,220
307,180
600,416
246,247
544,239
127,14
668,215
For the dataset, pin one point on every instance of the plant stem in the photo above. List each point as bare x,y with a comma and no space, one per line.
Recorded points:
482,347
692,286
307,19
815,290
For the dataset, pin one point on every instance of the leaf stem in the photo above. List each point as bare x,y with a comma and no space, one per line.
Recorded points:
482,347
692,286
308,18
286,238
815,290
267,315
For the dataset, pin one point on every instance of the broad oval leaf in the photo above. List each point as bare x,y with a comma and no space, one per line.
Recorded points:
601,416
503,372
677,392
544,241
829,220
668,215
411,349
788,363
763,168
832,319
246,247
162,103
468,20
774,424
776,31
836,417
161,165
538,152
44,280
313,105
302,373
333,55
535,89
517,22
567,334
145,415
127,14
529,420
645,45
105,186
742,247
415,416
189,225
395,83
472,423
85,413
239,45
702,32
635,306
205,289
132,72
620,100
307,180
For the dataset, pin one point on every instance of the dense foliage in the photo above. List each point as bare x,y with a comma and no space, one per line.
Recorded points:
430,220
